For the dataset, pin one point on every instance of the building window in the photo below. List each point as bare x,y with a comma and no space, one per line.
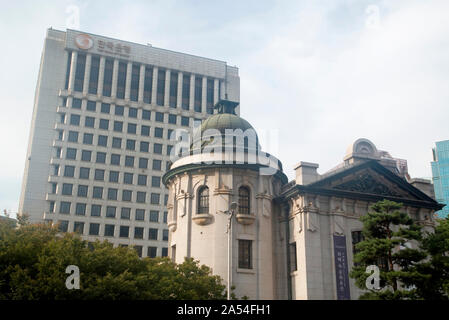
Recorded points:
86,155
198,93
164,252
165,235
94,71
80,209
245,254
203,200
145,131
157,164
82,190
143,163
118,126
157,148
156,182
293,260
119,110
124,231
51,207
142,180
210,96
104,124
97,193
129,161
172,119
130,144
67,189
105,108
141,197
88,138
64,207
158,132
107,80
140,214
357,236
109,230
69,171
78,227
132,112
127,195
138,250
95,210
115,159
67,72
89,122
154,216
152,252
125,213
128,178
144,146
165,216
101,157
135,74
155,198
102,141
74,119
79,74
173,89
94,229
146,114
84,173
138,232
152,234
76,103
110,212
185,91
244,203
132,128
113,176
91,105
148,84
63,225
160,87
112,193
117,143
121,80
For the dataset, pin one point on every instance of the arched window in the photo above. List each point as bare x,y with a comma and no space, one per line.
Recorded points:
203,200
244,205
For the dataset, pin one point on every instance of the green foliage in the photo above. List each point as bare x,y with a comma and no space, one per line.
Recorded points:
387,233
34,257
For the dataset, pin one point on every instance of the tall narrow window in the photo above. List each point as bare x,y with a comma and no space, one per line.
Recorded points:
121,80
67,74
292,252
245,254
173,89
107,81
198,93
160,87
135,75
244,203
210,96
185,91
79,74
203,200
357,237
93,78
148,84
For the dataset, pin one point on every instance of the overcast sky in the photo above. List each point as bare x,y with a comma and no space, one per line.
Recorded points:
315,75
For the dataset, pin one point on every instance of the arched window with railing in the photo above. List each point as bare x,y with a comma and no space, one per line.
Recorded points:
203,200
244,201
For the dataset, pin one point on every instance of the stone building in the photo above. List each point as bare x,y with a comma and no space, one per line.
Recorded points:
289,240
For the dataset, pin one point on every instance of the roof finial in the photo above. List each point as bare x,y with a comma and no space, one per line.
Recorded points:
226,106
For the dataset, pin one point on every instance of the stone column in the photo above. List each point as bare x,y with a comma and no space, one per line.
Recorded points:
101,77
87,74
167,88
129,69
141,82
192,92
154,88
114,79
216,97
72,71
179,98
204,95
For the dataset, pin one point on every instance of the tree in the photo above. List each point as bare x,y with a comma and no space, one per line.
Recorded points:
34,257
389,236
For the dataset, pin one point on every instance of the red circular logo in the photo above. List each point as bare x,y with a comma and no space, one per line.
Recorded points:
84,41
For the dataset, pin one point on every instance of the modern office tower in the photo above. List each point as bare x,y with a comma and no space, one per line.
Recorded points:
440,175
103,112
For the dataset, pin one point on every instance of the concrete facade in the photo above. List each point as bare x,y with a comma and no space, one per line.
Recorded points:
86,114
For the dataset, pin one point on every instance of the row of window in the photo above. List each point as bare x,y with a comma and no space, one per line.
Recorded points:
114,159
243,200
135,83
99,175
98,193
119,110
116,143
111,211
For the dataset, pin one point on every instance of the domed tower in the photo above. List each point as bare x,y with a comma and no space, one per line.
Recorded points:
226,177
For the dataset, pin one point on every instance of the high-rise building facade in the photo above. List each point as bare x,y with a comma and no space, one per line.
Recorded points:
99,143
440,175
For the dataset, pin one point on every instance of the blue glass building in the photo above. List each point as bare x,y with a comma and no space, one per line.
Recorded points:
440,175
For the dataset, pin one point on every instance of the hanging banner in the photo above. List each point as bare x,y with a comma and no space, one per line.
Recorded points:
341,268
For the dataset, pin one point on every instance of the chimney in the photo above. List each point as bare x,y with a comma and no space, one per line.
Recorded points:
306,172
